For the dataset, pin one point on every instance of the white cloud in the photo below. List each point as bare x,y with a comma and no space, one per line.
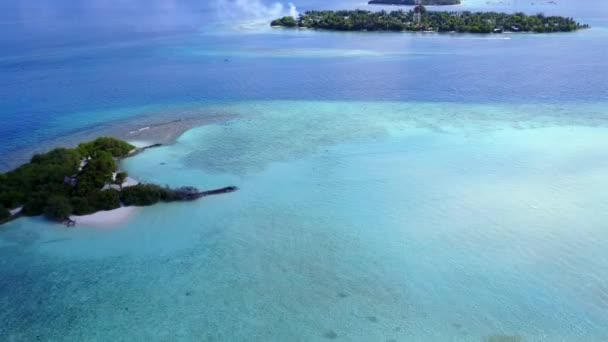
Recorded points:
254,9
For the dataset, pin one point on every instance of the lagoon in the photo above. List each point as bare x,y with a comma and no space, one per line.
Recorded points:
391,188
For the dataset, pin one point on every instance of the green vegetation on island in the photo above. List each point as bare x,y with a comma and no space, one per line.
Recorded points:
413,2
5,214
65,181
285,21
79,181
436,21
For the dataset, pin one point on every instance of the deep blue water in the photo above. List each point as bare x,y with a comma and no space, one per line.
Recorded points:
61,59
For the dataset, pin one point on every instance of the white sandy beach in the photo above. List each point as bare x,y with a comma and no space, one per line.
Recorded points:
106,218
130,182
139,143
15,211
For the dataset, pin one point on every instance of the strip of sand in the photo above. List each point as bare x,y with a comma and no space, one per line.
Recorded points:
16,211
106,218
146,129
165,132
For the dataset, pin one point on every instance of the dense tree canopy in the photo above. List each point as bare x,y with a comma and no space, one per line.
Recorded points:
115,147
148,194
285,21
142,194
469,22
58,208
96,173
4,213
65,180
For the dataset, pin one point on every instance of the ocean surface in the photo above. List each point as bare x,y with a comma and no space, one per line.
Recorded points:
392,187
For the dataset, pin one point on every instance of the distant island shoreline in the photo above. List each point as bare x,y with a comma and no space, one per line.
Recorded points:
67,184
421,20
413,2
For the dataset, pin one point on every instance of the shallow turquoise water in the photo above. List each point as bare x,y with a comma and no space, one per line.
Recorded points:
352,222
407,187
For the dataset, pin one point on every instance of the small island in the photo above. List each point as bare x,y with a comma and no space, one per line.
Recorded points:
413,2
419,19
82,181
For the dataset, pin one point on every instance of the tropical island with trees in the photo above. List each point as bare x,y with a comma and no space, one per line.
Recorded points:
413,2
82,181
419,19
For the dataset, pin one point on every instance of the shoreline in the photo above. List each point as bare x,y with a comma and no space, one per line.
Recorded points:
420,20
144,130
92,161
106,219
165,132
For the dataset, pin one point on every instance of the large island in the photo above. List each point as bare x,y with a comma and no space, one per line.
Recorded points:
413,2
419,19
82,181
